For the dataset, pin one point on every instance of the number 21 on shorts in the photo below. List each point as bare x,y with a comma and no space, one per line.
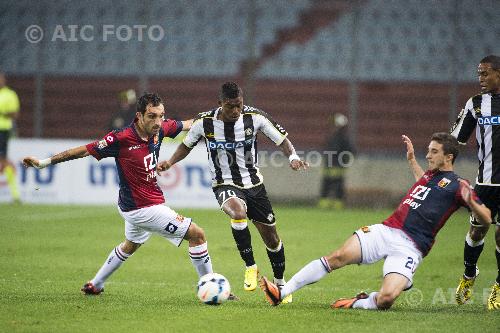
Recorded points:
411,264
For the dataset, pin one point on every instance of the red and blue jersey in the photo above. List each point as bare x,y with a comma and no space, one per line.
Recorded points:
136,161
427,206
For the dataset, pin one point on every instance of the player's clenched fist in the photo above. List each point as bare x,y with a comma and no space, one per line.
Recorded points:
163,166
31,162
299,165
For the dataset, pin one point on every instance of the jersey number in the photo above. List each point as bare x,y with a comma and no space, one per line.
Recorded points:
226,194
420,192
150,161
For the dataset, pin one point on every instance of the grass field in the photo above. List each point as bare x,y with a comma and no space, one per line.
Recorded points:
48,252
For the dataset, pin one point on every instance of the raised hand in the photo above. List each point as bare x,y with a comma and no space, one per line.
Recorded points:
410,152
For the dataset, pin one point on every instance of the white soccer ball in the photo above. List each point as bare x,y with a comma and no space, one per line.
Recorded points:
213,289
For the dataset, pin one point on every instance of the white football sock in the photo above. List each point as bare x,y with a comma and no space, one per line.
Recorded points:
369,303
201,259
310,273
115,259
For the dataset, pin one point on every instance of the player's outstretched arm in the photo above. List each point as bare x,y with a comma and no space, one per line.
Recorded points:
67,155
415,168
180,153
295,162
480,211
186,124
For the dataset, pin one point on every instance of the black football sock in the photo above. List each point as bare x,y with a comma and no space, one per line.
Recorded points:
277,259
472,251
243,241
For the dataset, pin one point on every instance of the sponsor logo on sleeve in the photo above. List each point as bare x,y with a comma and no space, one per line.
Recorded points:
102,144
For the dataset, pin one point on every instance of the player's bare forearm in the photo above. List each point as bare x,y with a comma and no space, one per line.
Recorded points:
67,155
481,212
186,124
180,153
70,154
415,168
295,162
287,148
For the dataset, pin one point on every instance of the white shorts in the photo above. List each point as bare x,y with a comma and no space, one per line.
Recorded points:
141,223
401,255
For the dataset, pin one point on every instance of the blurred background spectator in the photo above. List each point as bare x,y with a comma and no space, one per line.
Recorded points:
126,111
9,111
338,155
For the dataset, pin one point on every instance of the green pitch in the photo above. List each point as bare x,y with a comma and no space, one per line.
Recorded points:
48,252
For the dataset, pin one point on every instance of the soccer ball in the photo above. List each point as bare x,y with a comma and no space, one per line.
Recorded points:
213,289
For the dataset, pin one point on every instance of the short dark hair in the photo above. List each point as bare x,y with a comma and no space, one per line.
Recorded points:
148,98
230,90
449,142
493,60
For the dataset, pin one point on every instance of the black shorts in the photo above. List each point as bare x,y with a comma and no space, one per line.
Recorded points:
4,139
259,207
490,196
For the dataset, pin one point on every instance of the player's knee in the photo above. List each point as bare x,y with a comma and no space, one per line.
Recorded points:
129,247
477,234
385,300
196,235
336,259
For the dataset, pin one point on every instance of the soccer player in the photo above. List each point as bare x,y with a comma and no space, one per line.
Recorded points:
230,133
140,202
9,111
404,238
483,113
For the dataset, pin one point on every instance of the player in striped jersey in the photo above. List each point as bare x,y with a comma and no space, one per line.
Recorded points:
404,238
230,133
135,149
482,112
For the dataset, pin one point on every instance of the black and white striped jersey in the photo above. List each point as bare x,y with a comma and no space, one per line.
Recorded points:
482,112
232,146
